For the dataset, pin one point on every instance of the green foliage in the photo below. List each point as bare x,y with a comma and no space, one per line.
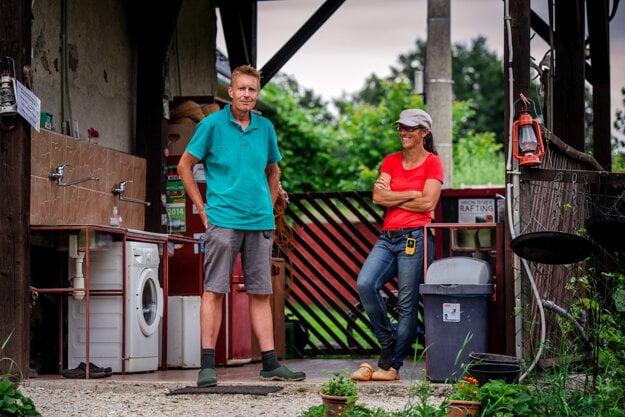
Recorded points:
477,75
357,410
304,133
501,399
418,403
340,385
344,152
364,136
478,78
478,160
12,401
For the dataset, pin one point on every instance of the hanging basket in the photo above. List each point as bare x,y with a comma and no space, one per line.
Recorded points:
552,247
607,231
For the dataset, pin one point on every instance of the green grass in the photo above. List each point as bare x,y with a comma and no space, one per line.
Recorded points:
333,320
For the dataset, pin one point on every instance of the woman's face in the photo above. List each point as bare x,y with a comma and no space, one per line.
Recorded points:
411,136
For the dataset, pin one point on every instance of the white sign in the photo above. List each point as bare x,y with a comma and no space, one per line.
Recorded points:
451,312
28,105
476,210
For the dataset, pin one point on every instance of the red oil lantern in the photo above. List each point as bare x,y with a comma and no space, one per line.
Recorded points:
527,142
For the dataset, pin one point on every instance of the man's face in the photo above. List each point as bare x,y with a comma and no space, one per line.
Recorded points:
244,92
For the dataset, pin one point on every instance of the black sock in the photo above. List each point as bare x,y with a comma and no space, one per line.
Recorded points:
208,358
270,360
386,357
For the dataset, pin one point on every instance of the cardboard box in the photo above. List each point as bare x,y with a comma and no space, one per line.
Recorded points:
178,137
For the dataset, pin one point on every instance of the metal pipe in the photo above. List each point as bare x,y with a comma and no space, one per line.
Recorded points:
132,200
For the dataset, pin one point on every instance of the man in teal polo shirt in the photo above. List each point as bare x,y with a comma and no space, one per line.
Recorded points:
239,151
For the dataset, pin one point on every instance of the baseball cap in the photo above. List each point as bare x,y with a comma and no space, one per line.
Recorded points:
414,117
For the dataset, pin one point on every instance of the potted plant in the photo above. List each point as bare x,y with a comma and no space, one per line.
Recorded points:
464,399
339,393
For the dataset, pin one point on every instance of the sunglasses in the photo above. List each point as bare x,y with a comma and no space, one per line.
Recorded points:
408,129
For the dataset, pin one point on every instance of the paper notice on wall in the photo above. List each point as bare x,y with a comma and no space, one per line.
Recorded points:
476,210
28,105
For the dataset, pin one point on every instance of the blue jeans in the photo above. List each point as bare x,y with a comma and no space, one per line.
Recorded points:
388,259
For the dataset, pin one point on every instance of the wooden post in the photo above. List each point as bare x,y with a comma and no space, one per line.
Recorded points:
15,191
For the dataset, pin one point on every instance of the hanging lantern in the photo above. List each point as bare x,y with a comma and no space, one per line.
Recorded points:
8,105
527,142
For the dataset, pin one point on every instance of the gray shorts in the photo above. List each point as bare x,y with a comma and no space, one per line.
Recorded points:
221,247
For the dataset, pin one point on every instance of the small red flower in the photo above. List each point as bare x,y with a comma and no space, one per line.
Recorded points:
92,133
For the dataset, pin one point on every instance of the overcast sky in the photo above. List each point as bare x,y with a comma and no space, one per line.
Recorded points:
367,36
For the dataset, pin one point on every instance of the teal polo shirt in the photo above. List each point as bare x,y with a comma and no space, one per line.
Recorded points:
237,192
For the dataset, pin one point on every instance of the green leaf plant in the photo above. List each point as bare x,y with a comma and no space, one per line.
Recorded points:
12,401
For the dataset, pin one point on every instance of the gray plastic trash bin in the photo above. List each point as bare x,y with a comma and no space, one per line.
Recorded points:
456,298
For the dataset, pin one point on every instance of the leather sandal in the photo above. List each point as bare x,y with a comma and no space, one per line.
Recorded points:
363,373
385,375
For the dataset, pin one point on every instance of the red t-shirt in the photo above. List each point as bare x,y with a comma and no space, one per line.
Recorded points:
409,179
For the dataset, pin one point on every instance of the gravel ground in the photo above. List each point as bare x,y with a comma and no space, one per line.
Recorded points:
115,398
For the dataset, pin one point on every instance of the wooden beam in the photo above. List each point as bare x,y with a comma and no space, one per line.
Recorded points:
568,98
239,22
300,37
573,175
153,39
599,46
15,42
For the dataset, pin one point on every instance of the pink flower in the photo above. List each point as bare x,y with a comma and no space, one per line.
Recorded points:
92,133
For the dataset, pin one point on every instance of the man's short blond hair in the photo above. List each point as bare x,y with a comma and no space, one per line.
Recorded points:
245,70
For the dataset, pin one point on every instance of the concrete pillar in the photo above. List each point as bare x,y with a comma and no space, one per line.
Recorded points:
438,82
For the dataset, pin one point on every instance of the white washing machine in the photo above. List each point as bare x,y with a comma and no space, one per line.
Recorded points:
144,310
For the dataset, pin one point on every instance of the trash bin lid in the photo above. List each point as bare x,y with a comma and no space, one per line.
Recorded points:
459,270
456,290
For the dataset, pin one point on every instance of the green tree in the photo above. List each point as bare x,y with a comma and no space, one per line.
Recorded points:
477,74
304,130
364,135
344,152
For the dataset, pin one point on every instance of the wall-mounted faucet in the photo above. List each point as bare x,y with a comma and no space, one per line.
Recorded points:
57,175
121,188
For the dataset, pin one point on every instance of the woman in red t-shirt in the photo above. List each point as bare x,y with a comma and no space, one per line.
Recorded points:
409,186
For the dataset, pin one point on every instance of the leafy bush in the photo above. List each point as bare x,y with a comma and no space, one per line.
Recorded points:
340,385
12,401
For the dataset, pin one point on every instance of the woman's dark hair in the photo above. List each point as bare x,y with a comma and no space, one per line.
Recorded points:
428,143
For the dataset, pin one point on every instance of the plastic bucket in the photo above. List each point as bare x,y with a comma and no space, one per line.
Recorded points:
487,371
492,358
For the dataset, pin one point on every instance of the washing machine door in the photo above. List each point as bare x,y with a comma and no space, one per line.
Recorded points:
149,301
